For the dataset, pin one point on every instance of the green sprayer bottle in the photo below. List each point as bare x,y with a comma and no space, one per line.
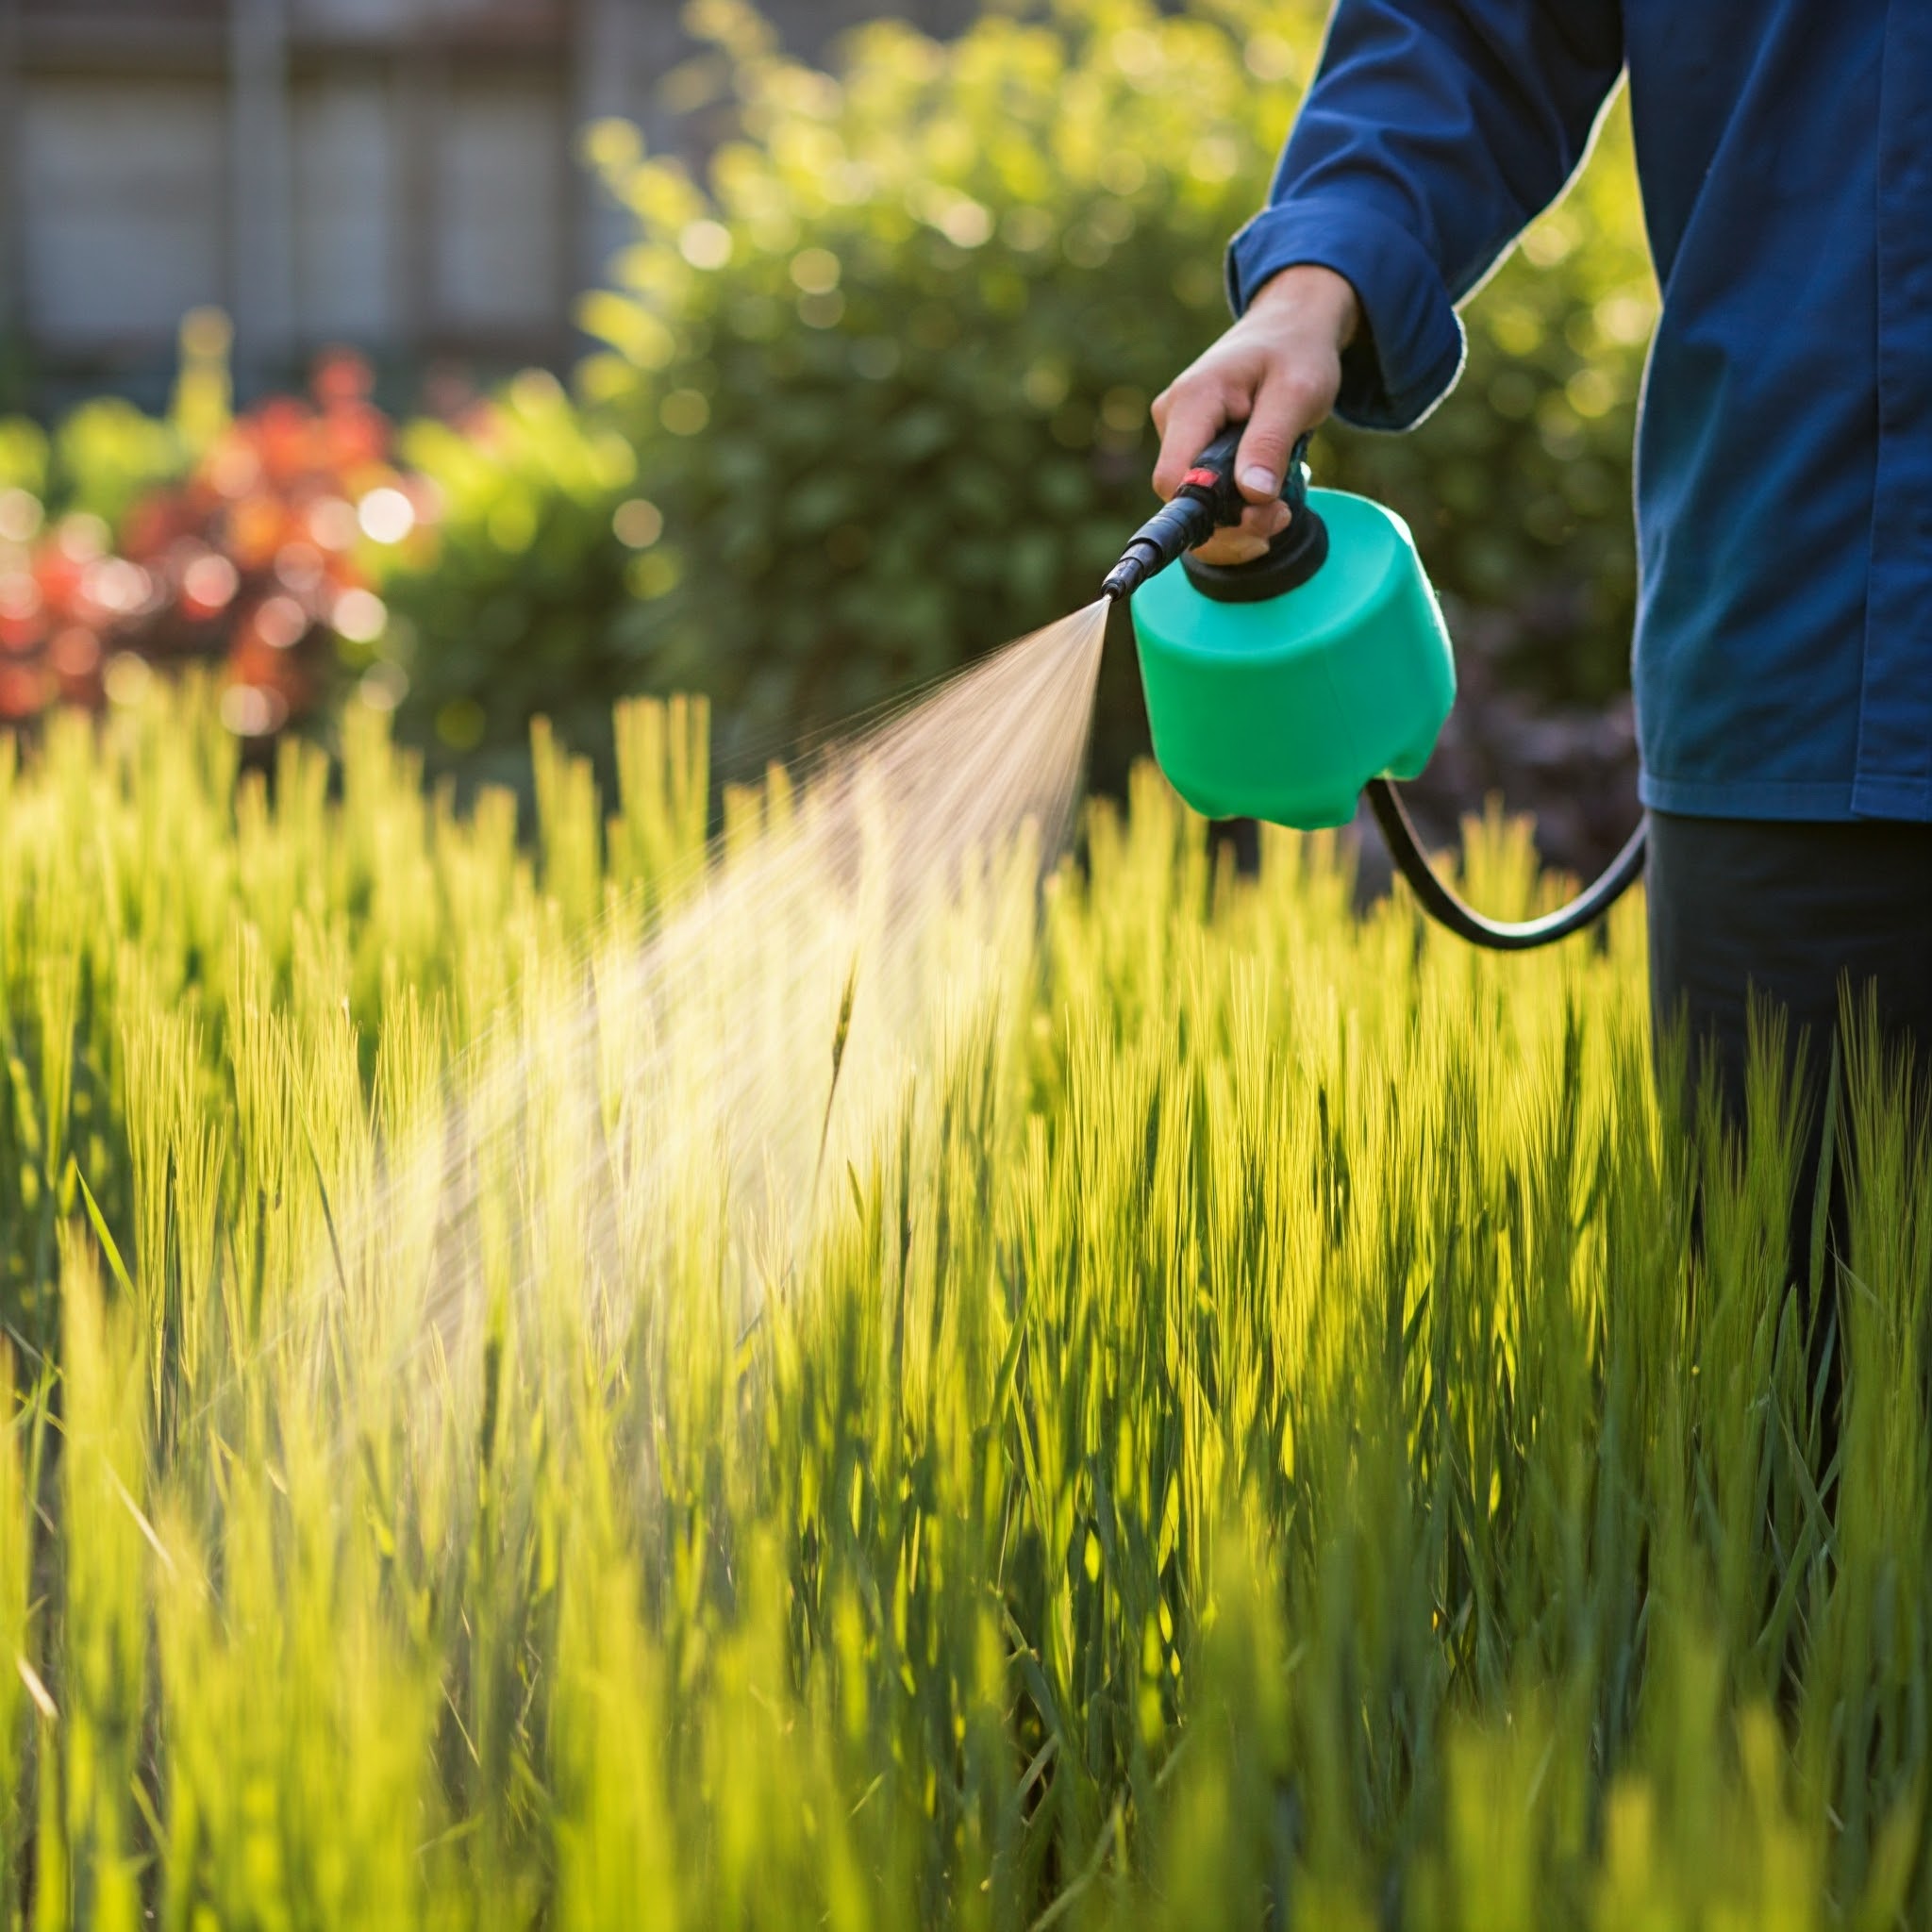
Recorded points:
1286,688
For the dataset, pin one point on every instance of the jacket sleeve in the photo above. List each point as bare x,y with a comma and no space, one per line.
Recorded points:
1434,132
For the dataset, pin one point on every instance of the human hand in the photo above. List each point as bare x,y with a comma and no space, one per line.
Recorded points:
1281,367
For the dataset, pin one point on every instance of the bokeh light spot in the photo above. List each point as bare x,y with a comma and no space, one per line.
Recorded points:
706,244
638,524
19,515
815,271
117,586
83,537
383,686
332,523
966,224
875,357
1268,56
209,582
20,596
126,679
250,711
281,623
387,515
684,411
360,616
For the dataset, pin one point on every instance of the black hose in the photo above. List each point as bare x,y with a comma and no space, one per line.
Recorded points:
1501,936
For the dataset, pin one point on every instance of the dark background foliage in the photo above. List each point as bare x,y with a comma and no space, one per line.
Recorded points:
885,373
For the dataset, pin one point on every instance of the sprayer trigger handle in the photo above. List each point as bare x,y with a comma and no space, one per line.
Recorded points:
1211,477
1218,457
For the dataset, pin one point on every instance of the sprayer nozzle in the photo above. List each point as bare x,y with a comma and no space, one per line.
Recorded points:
1207,501
1178,525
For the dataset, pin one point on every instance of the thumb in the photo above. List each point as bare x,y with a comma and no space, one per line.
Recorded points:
1261,462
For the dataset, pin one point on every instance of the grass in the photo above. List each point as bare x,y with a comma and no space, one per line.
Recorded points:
1249,1439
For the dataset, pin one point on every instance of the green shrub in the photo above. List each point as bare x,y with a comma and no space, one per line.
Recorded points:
887,374
107,454
890,379
512,612
100,459
22,456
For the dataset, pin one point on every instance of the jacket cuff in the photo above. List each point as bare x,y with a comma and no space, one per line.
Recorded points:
1410,351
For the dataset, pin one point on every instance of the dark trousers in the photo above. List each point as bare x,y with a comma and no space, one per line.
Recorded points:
1796,911
1792,910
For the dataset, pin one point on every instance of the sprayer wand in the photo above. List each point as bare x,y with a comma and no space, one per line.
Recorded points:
1207,501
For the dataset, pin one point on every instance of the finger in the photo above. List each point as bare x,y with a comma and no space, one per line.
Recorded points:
1232,546
1244,541
1196,412
1266,520
1282,410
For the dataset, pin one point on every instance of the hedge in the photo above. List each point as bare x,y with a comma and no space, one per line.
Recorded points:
882,378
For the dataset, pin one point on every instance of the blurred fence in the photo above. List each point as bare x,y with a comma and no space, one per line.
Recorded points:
392,174
400,175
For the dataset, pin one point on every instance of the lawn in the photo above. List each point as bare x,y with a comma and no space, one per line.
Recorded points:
1234,1422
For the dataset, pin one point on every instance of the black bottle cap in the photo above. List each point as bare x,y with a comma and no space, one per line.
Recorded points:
1288,562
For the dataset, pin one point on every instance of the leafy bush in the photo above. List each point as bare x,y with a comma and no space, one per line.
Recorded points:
887,373
890,380
23,457
101,456
106,455
510,614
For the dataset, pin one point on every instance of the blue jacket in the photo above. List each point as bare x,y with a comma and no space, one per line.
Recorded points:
1784,456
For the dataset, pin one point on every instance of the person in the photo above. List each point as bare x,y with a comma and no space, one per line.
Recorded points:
1783,656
